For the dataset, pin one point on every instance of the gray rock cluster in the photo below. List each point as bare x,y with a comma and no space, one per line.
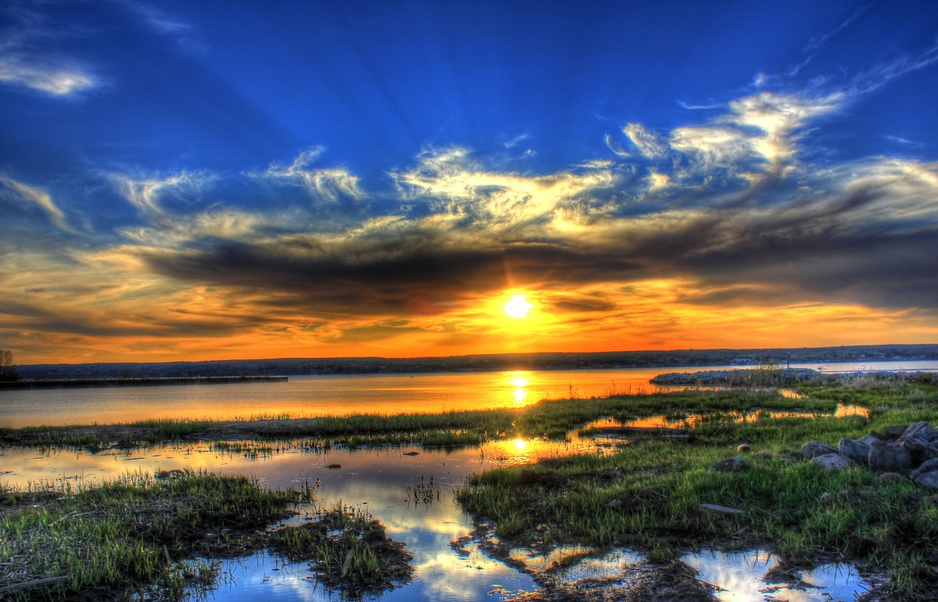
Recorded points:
907,450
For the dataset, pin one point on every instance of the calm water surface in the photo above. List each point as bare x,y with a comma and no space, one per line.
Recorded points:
382,481
307,396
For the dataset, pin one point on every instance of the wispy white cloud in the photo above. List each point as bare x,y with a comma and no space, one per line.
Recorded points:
162,23
57,78
817,43
648,143
329,184
884,73
820,41
462,189
515,141
755,134
30,57
698,107
41,199
904,141
146,193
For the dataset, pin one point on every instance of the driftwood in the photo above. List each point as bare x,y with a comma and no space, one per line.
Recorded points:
34,583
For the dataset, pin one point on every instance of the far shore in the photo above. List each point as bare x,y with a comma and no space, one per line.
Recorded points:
82,383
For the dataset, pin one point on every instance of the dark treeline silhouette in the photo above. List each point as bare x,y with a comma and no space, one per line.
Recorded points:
479,363
7,368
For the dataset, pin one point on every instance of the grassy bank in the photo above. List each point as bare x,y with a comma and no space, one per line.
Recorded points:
137,536
431,430
648,493
652,494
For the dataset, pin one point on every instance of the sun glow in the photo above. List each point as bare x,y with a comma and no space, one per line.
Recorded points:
517,307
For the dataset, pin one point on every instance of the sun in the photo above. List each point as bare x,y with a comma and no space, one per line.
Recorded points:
517,307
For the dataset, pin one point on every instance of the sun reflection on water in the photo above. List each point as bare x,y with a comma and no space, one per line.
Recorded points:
520,381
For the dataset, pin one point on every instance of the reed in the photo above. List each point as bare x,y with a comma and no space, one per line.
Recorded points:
133,534
650,493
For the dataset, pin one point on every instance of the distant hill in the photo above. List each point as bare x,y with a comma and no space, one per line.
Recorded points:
479,363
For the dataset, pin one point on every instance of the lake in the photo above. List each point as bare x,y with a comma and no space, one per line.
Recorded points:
381,480
310,396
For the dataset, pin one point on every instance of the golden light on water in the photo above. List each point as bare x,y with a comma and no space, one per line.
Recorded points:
520,444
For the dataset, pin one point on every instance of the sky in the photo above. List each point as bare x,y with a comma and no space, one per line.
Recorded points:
234,180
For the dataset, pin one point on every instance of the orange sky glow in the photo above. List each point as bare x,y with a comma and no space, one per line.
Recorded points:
349,179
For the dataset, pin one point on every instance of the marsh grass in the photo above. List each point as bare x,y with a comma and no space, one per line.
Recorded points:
349,551
133,534
649,493
449,429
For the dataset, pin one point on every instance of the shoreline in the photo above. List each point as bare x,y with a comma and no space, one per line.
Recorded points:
160,381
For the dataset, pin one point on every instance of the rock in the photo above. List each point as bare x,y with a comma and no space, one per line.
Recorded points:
734,464
889,458
833,462
893,432
856,451
870,439
921,450
887,477
813,449
927,479
927,466
920,430
720,509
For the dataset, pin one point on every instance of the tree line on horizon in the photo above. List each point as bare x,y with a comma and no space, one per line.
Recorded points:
7,368
481,363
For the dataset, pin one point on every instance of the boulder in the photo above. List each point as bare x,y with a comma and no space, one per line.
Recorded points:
927,466
734,464
920,431
856,451
833,462
870,439
920,450
927,479
893,432
812,449
889,458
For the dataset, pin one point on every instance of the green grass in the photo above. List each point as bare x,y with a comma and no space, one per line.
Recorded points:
139,536
649,493
433,430
349,551
131,534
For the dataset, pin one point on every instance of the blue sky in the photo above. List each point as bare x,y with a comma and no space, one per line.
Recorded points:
238,179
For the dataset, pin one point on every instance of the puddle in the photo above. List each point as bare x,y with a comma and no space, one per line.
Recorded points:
410,491
748,577
690,421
